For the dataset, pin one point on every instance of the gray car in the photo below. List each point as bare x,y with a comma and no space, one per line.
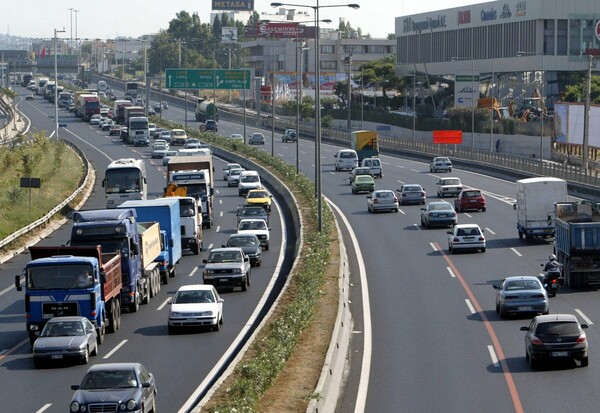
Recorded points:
412,194
250,244
256,139
438,214
382,200
115,387
521,294
62,338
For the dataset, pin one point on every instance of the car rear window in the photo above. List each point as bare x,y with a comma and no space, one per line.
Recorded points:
472,193
451,182
347,155
384,194
412,189
558,328
523,285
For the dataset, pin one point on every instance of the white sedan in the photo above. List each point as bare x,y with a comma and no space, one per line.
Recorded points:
465,237
197,305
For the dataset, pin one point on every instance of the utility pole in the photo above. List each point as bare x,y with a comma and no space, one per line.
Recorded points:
586,122
348,62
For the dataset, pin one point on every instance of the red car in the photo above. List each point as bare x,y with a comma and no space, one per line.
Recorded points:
469,198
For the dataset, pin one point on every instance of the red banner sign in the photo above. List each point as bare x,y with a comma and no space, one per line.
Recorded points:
451,137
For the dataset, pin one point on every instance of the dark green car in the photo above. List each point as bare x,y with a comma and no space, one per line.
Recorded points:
363,183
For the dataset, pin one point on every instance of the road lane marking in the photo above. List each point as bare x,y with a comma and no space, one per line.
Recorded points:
210,246
400,182
467,214
385,163
512,388
332,173
7,289
493,356
417,226
587,320
303,152
217,191
415,170
167,301
11,350
490,231
221,214
399,166
193,272
516,252
451,272
44,408
220,202
433,246
218,228
114,350
401,211
471,308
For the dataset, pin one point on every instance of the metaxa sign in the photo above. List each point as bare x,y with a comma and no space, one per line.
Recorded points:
410,25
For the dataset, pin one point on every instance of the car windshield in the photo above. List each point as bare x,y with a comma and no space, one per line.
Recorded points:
63,329
412,189
253,225
523,285
440,207
193,297
451,182
227,256
109,379
241,241
467,232
557,328
258,194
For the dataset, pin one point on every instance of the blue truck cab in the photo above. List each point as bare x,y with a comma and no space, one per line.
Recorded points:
165,211
71,281
115,231
163,258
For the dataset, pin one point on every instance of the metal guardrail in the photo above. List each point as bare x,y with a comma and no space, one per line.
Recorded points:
43,220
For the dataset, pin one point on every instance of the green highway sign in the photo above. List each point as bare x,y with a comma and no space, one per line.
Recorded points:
222,79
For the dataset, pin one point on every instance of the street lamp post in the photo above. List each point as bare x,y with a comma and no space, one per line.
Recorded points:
542,104
348,62
56,84
318,177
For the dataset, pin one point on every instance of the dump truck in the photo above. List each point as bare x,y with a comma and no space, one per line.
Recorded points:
365,143
72,281
577,244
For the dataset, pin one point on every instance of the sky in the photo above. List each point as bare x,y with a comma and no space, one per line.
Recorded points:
107,19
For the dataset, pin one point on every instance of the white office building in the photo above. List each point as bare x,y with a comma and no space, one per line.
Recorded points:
545,41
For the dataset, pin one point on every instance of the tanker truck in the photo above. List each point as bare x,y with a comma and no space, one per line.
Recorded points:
206,109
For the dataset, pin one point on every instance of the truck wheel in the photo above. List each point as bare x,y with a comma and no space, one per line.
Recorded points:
112,321
172,272
195,249
146,298
208,224
135,306
520,235
100,331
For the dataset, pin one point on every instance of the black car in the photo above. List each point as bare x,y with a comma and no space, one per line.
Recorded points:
250,244
115,387
555,337
209,125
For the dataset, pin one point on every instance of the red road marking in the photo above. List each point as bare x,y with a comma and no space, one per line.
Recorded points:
12,349
514,394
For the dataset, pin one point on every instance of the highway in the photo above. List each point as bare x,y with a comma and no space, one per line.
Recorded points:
180,363
437,343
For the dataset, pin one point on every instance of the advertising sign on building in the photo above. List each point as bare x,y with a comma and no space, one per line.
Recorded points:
568,123
233,5
229,35
466,88
597,30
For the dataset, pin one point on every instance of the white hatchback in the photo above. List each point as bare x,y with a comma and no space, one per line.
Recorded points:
465,237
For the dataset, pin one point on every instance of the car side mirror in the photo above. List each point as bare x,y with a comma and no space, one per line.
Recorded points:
515,207
74,386
18,283
422,209
205,261
449,232
220,300
146,385
524,328
223,246
496,287
584,326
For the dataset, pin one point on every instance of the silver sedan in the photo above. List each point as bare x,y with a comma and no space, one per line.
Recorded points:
521,294
66,338
439,213
382,200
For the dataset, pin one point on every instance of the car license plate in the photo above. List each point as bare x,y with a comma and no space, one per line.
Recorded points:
560,353
57,356
473,200
525,308
442,215
223,280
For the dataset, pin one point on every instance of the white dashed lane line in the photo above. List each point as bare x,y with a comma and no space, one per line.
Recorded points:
44,408
470,305
516,252
433,246
585,318
493,356
451,272
490,231
160,307
114,350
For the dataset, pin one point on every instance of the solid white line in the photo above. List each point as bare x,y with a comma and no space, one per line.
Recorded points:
516,252
218,228
160,307
587,320
451,272
493,356
490,231
401,211
193,272
44,408
433,246
114,350
471,308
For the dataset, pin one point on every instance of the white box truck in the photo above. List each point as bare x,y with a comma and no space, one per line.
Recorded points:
535,206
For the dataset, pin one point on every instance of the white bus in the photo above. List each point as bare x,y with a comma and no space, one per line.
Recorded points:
125,179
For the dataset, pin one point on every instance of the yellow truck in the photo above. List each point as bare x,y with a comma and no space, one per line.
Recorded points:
365,143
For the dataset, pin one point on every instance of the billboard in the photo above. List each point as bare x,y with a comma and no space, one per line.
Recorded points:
281,31
233,5
466,90
229,35
447,136
569,119
286,83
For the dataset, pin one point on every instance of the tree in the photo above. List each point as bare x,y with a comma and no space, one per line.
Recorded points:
381,73
574,92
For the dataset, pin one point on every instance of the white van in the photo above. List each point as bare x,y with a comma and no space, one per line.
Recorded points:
346,159
248,180
375,165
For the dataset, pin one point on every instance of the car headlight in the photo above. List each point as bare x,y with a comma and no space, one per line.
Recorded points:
74,407
131,404
209,271
237,270
175,315
206,314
